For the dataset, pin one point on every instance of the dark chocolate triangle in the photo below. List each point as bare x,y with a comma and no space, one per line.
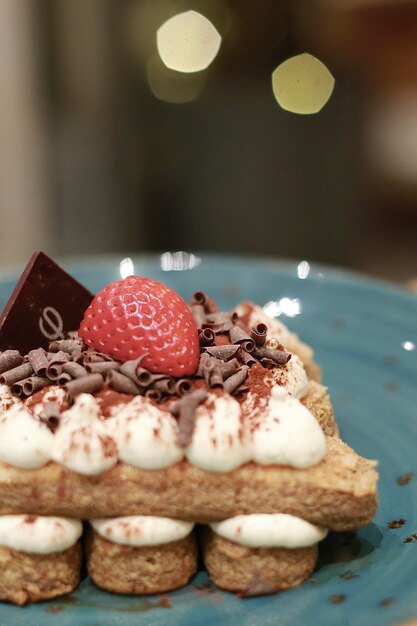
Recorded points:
45,304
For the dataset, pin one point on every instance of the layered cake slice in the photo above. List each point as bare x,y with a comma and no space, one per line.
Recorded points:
154,416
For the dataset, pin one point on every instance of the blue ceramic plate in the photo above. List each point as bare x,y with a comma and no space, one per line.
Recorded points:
365,337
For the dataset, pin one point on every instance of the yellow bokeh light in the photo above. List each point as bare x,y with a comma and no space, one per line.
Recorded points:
302,84
188,42
172,86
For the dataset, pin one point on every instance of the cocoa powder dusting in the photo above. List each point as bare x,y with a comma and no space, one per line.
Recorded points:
108,399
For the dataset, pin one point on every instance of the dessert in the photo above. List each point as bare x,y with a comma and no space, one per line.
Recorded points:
156,416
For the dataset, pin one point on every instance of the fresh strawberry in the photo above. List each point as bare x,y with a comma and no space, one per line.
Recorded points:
138,316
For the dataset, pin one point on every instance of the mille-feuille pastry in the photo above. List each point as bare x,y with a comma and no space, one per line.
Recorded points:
161,410
40,557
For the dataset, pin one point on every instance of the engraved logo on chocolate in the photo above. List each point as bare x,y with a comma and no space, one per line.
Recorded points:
54,322
45,304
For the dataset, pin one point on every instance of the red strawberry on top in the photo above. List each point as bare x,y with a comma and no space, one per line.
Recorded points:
135,316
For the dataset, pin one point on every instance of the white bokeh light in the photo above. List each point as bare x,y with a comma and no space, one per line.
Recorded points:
286,306
179,261
126,267
409,346
188,42
303,269
302,84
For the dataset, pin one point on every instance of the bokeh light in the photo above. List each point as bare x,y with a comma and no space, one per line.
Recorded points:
302,84
188,42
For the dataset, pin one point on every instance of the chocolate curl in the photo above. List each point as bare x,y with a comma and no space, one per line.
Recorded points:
182,386
93,357
199,314
102,367
206,366
198,298
63,379
206,337
184,409
216,378
30,385
51,415
86,384
10,359
238,335
223,352
229,368
279,357
165,385
267,363
122,383
130,368
248,358
17,373
219,322
56,365
66,345
258,334
235,381
78,356
39,362
75,370
153,394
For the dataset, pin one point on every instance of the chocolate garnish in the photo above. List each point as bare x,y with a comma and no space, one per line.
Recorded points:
75,370
199,298
45,304
122,383
66,345
234,381
86,384
258,334
10,359
219,322
96,357
248,358
39,362
239,336
199,314
129,368
64,378
184,409
206,337
182,386
223,352
102,367
17,373
165,385
229,368
279,357
216,378
51,415
28,386
56,365
153,394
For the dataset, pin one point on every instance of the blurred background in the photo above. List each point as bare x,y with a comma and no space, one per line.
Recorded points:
103,149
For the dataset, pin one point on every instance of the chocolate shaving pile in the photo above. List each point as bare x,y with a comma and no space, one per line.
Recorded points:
227,365
78,369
